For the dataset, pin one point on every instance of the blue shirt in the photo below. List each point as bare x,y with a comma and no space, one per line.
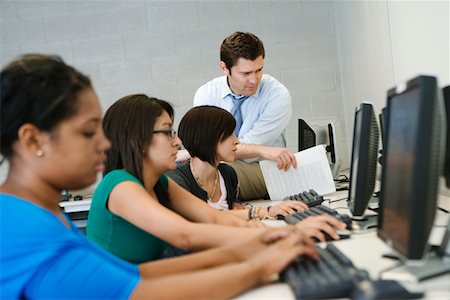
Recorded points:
41,258
265,115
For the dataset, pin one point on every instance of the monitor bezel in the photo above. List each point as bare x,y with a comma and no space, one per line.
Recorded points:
446,171
363,182
424,196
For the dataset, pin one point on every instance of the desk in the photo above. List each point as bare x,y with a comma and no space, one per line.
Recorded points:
364,248
77,211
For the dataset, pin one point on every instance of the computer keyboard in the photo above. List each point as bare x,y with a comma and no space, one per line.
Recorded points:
310,198
321,210
317,211
332,276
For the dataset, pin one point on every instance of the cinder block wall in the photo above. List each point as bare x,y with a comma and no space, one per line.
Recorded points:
167,49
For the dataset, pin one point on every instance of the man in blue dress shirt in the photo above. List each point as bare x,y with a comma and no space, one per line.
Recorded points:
260,104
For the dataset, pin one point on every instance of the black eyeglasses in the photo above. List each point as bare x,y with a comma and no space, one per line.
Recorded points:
169,132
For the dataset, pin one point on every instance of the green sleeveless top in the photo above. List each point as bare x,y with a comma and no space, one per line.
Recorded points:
115,234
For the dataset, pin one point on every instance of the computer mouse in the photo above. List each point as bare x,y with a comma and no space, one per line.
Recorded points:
385,289
344,234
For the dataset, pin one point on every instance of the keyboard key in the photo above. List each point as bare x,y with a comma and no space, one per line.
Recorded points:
332,276
310,198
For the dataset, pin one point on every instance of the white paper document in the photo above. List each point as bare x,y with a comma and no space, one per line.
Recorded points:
313,172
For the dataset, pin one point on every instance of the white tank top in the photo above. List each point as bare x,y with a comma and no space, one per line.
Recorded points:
222,203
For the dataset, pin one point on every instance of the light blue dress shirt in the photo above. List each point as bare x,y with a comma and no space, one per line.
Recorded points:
265,115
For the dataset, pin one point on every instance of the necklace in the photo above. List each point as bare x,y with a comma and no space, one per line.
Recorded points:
201,185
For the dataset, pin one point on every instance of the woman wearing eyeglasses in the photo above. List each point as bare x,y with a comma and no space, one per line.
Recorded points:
137,210
53,140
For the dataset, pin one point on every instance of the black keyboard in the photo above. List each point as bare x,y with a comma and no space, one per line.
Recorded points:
310,198
332,276
317,211
321,210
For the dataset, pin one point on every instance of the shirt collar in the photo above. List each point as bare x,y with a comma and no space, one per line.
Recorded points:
227,91
225,88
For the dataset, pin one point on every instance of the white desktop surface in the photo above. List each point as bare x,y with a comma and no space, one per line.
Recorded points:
76,206
365,250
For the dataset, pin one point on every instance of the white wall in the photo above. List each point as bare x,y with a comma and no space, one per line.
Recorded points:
383,43
167,49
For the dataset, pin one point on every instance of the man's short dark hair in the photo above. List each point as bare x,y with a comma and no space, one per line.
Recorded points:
202,128
240,44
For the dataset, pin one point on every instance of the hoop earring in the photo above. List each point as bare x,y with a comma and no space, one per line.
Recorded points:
40,153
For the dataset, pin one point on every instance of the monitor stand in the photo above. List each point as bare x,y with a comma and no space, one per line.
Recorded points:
436,262
366,222
369,221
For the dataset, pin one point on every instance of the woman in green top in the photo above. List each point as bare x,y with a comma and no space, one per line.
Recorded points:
136,206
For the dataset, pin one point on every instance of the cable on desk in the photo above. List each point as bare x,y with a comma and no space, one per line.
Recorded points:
443,209
337,200
342,178
342,188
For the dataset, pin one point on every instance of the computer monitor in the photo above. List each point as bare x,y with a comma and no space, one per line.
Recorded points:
446,91
382,118
413,160
306,136
363,166
316,135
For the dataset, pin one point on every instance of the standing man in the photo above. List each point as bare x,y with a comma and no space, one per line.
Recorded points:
260,104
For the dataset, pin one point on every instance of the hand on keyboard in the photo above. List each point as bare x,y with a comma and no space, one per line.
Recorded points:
286,208
332,276
279,254
246,249
318,227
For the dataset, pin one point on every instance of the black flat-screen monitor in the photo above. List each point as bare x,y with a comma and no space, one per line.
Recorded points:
363,166
446,91
413,161
306,136
309,137
382,117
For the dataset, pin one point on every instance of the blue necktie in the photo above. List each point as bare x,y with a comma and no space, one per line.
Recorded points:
236,111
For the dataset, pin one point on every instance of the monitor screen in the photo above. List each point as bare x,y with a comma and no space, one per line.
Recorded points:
446,91
412,164
306,136
310,136
364,160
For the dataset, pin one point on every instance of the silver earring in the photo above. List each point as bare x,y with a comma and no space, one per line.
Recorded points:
40,153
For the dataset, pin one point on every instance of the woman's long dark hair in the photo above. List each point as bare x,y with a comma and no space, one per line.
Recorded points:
128,124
